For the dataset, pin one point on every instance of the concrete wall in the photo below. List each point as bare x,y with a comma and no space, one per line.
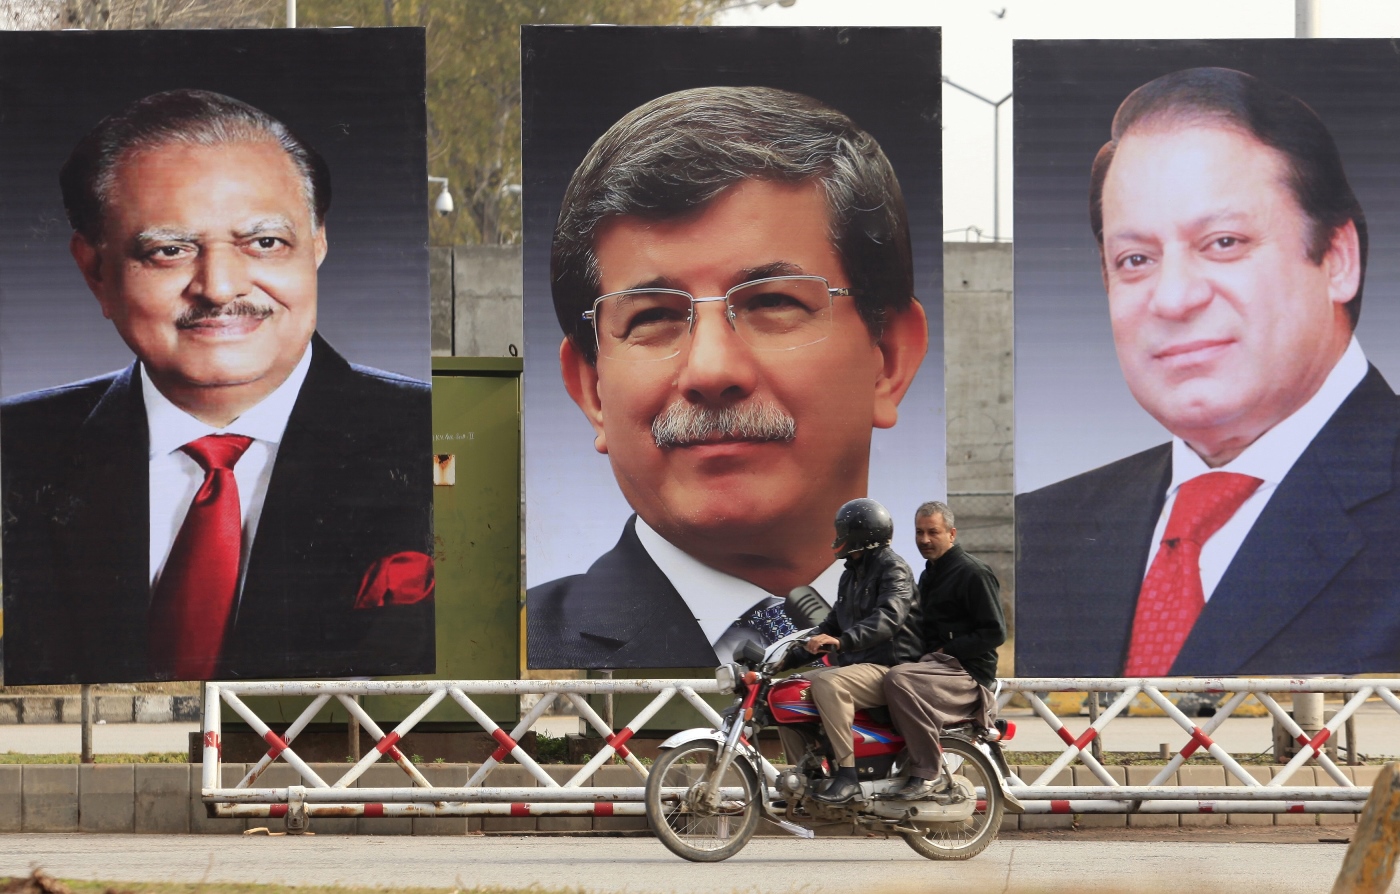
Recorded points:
977,345
164,799
477,301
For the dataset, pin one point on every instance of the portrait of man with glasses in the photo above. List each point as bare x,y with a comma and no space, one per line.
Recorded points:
731,268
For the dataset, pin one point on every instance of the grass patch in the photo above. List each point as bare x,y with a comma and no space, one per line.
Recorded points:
42,883
551,749
154,757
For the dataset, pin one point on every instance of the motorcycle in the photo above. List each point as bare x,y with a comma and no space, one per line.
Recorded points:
708,789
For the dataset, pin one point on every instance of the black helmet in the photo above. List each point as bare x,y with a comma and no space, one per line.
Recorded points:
862,524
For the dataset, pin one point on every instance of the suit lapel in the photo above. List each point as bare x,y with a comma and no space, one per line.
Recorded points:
637,612
1125,518
286,576
1304,536
105,543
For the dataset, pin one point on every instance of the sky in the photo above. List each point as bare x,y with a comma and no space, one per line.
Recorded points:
977,55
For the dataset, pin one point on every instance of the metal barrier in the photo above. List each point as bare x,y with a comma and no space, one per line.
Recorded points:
1159,796
319,797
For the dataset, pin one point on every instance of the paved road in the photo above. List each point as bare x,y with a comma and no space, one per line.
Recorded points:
642,865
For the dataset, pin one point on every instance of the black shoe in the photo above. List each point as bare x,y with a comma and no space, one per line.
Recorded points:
917,789
838,791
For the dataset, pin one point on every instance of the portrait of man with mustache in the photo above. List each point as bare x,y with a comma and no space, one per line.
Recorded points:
240,501
731,269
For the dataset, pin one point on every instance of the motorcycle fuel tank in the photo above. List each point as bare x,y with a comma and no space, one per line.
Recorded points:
791,702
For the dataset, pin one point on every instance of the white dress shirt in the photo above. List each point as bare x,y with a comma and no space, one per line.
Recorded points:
174,476
1269,459
717,599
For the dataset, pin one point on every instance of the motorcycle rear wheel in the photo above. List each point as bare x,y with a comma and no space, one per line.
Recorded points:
968,838
685,827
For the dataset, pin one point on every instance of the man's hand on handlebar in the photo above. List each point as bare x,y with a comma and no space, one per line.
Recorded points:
820,642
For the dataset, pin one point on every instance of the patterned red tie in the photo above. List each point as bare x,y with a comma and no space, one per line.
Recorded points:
1172,598
195,595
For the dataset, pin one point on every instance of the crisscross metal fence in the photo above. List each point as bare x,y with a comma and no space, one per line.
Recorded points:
317,796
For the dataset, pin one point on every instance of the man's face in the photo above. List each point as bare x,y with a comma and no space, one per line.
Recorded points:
835,390
207,264
933,535
1222,324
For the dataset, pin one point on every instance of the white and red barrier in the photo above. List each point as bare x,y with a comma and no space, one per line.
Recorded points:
419,797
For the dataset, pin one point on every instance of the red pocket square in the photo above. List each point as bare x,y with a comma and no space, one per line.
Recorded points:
400,579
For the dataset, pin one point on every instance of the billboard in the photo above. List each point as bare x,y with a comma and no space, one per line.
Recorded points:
214,355
755,208
1205,434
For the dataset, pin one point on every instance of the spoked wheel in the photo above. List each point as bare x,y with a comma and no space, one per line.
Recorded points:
967,838
678,810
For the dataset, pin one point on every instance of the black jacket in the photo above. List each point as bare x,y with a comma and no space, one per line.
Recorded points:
960,599
875,615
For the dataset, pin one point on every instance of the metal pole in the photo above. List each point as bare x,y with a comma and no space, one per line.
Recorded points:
996,151
86,698
1095,746
996,194
1305,18
291,13
353,730
607,701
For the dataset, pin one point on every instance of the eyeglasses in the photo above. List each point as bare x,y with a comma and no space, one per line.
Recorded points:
779,313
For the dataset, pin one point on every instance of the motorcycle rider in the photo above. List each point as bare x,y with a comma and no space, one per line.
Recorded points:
962,624
868,631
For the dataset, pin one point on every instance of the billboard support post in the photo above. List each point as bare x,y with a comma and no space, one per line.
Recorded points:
85,697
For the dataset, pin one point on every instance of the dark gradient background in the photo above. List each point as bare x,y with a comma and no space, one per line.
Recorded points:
577,82
356,95
1073,410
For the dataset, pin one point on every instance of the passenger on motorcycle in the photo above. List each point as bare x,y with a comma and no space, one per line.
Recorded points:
868,631
961,624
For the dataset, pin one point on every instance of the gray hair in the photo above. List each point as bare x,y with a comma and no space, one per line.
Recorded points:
681,151
191,117
932,507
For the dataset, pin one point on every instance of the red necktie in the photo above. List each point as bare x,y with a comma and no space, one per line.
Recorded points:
195,595
1172,598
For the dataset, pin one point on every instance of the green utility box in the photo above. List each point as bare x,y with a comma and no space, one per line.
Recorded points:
477,547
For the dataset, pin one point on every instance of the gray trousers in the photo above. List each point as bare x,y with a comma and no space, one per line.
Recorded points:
838,692
927,695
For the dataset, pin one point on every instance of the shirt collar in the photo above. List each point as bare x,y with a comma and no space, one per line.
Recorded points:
170,428
1271,456
716,599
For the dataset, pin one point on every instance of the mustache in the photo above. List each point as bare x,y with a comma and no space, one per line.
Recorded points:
682,423
239,307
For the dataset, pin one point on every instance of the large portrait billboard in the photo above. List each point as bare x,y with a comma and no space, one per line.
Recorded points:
733,312
214,355
1206,436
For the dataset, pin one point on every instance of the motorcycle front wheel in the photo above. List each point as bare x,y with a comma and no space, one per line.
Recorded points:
968,838
678,814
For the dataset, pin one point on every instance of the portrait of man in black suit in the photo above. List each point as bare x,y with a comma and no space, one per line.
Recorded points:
240,501
1260,539
731,267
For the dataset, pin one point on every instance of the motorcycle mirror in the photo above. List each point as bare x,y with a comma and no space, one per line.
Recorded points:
806,607
750,653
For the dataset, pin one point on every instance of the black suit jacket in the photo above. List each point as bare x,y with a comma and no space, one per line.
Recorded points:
1314,588
351,484
621,613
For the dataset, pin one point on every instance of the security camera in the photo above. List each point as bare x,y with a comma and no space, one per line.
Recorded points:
443,205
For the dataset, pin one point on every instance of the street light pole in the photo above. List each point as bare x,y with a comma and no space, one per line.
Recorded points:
996,150
1305,15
